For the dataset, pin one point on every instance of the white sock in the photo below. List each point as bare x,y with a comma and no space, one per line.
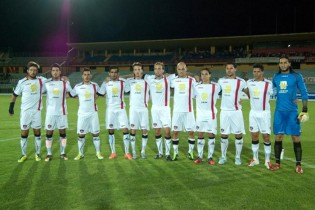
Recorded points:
133,143
167,146
267,148
200,146
211,146
97,144
255,149
49,145
191,145
111,140
175,145
37,144
63,144
126,142
224,147
238,146
81,143
23,142
144,143
159,144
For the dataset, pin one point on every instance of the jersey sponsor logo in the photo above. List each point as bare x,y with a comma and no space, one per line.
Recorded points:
182,87
227,89
283,85
87,94
56,92
256,93
204,96
115,91
33,88
138,88
158,88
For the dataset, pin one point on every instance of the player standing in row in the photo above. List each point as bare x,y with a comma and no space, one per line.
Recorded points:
159,86
183,111
138,112
231,116
287,120
56,110
207,94
88,120
30,88
260,90
116,115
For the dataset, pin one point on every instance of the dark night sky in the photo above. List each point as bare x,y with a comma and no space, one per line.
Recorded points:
41,25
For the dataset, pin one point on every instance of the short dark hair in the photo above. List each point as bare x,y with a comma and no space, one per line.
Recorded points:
86,69
231,63
114,67
205,69
32,64
55,65
259,66
285,56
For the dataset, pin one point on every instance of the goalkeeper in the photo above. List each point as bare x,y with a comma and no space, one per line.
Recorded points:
287,120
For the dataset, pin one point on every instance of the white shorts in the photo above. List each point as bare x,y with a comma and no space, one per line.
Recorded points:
30,119
116,119
207,125
231,122
260,121
139,118
183,121
161,117
88,123
56,121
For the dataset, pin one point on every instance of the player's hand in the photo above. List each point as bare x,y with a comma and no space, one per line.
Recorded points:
303,117
11,108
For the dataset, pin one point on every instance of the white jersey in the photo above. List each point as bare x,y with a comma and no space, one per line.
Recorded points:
56,96
114,91
160,90
139,93
232,90
206,97
259,92
31,91
87,97
183,94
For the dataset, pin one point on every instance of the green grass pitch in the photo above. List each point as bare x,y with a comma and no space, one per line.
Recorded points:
150,183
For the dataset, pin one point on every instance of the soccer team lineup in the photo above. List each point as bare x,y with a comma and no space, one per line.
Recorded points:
199,122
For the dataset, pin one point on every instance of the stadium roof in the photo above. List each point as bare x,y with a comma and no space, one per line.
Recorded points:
171,44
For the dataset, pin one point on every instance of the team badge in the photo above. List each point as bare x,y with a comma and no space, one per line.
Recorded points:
175,127
49,126
154,124
81,131
111,125
222,130
251,128
24,126
132,125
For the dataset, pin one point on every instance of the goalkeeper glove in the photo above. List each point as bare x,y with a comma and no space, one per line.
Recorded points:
303,117
11,108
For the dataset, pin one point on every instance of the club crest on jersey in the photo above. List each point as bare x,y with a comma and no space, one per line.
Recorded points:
33,88
283,85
